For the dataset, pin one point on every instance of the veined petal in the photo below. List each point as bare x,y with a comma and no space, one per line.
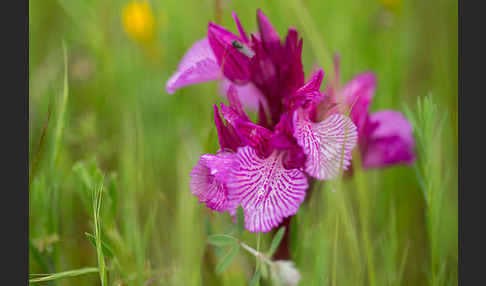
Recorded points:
199,64
265,189
390,142
208,180
323,143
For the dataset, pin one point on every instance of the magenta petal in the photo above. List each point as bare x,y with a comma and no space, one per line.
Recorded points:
199,64
390,142
241,31
262,116
229,114
255,136
235,64
314,83
208,180
283,134
323,143
235,103
269,36
358,94
265,189
308,92
248,93
262,70
291,69
228,139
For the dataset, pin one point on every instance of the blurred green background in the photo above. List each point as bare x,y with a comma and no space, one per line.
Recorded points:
99,113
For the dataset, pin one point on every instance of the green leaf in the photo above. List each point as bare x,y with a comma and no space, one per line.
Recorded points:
256,277
221,240
227,259
219,251
106,249
276,241
240,220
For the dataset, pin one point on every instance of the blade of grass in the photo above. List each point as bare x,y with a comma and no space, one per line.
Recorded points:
40,144
65,274
62,111
97,194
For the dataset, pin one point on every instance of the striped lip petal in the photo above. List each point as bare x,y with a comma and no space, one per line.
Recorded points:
323,143
208,180
199,64
265,189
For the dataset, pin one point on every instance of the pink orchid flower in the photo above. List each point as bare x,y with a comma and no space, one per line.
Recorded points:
263,166
385,137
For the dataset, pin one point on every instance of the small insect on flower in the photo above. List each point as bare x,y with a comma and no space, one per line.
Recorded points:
243,49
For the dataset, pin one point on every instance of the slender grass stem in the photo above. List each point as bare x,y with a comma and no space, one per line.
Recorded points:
363,203
335,250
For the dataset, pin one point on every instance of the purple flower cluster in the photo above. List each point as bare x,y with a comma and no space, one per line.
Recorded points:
300,132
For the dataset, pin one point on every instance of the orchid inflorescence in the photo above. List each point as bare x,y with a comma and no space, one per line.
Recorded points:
301,133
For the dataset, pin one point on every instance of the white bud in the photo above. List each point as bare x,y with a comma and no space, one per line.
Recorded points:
284,273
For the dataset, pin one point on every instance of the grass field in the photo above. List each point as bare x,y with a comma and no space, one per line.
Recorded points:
110,151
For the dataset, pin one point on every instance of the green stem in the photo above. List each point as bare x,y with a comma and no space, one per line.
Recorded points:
364,217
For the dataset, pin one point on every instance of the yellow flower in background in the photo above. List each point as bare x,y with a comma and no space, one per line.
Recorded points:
138,21
392,5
